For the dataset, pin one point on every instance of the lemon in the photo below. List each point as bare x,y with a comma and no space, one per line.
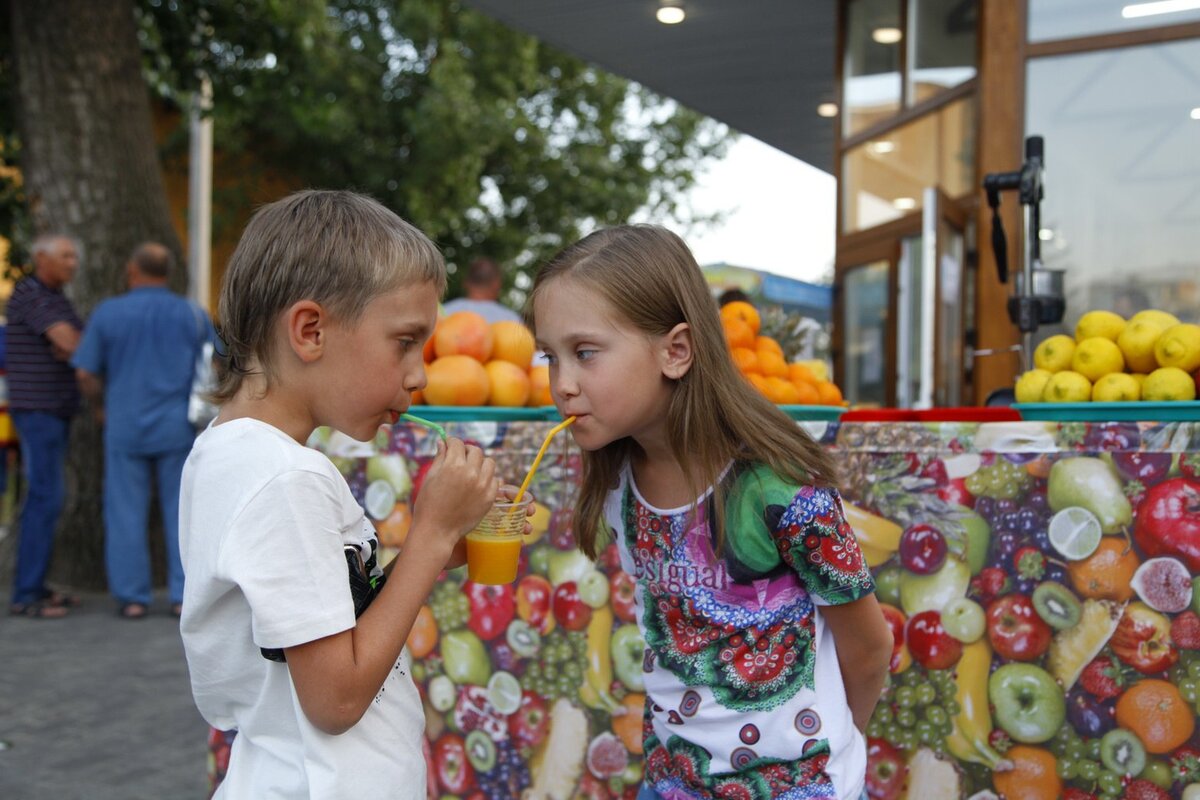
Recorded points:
1169,383
1054,354
1067,387
1075,532
380,499
1096,357
1116,387
504,692
1137,344
1030,385
1104,324
1140,377
1179,346
1160,318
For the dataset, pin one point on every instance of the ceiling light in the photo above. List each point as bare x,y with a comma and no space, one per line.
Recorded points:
882,147
1196,113
904,203
827,110
888,35
1159,7
670,13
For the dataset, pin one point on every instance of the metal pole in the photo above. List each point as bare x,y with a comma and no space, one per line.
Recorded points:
1027,289
200,195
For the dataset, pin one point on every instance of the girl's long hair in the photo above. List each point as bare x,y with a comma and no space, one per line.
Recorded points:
648,274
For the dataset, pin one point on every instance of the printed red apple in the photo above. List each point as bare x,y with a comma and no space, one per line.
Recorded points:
930,645
885,770
621,591
454,772
1015,630
896,621
529,724
1143,640
569,609
492,608
533,602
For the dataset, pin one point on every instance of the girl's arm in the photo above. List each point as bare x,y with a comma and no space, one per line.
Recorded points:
864,647
337,677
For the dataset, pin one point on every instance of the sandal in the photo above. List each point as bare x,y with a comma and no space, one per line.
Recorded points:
132,611
59,599
38,609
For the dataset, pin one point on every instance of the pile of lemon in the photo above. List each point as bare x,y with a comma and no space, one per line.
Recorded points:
1152,357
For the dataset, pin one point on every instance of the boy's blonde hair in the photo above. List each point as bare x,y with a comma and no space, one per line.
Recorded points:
648,275
336,248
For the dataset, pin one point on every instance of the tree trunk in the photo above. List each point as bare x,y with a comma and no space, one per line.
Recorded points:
91,171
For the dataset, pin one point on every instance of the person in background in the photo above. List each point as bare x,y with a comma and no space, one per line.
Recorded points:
766,650
43,332
482,285
136,362
733,295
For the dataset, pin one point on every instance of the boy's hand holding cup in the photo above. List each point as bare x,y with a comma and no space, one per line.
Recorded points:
457,492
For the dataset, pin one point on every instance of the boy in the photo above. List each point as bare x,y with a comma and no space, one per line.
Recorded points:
325,306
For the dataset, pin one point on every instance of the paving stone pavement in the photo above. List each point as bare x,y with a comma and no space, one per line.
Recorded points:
94,707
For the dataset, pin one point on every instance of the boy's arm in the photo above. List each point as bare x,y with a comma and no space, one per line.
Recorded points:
864,647
337,677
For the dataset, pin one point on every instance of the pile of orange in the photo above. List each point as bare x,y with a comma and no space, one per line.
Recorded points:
470,362
761,360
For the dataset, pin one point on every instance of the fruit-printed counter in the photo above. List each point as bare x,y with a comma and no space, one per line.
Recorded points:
1038,577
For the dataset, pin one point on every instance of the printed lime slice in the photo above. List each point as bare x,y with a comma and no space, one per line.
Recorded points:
380,499
1075,532
504,692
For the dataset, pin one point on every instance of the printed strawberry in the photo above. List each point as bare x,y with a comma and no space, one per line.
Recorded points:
1075,793
935,470
1000,741
1185,630
1103,678
990,583
1029,563
1189,465
1185,764
1142,789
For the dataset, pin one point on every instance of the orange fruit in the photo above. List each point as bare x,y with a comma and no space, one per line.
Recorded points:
418,398
738,333
508,384
828,393
772,364
512,342
628,726
1034,775
806,394
745,359
463,333
767,343
456,380
1156,711
539,386
393,529
423,635
782,391
757,381
741,310
1106,573
798,373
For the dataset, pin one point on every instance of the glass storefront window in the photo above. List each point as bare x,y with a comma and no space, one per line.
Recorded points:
1122,208
865,327
872,67
941,46
1067,19
884,179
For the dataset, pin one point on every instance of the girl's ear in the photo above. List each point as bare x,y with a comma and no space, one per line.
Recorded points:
676,349
305,322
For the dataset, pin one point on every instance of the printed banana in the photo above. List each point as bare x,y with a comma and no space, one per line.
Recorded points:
969,739
876,535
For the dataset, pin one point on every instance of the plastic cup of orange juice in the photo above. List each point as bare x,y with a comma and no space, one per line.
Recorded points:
494,547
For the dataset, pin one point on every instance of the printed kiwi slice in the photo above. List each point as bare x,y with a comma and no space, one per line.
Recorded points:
1121,751
481,752
1056,605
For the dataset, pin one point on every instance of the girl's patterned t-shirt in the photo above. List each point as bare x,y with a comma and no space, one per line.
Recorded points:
745,695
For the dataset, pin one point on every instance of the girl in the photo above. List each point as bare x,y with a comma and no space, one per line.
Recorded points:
766,650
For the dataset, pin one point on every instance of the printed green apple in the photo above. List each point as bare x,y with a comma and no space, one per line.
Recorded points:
964,620
1029,703
628,650
465,659
934,592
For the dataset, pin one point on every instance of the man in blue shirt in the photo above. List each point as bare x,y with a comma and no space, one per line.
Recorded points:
139,353
43,332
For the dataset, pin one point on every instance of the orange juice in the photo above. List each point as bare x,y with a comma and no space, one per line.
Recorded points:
492,558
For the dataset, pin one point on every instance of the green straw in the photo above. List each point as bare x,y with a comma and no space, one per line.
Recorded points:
433,426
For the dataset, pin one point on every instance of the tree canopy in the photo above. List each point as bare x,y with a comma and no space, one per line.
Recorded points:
492,142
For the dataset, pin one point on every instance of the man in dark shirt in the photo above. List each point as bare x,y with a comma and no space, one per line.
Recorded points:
43,332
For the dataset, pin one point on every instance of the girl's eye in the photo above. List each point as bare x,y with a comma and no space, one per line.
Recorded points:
584,355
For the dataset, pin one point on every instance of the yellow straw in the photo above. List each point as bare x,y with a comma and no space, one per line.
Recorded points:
538,458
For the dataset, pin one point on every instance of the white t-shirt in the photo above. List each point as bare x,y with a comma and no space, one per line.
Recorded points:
745,693
263,523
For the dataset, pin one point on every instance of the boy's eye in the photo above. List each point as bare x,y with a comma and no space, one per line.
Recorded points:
550,358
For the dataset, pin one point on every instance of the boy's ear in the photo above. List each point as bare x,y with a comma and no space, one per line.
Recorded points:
677,352
305,322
